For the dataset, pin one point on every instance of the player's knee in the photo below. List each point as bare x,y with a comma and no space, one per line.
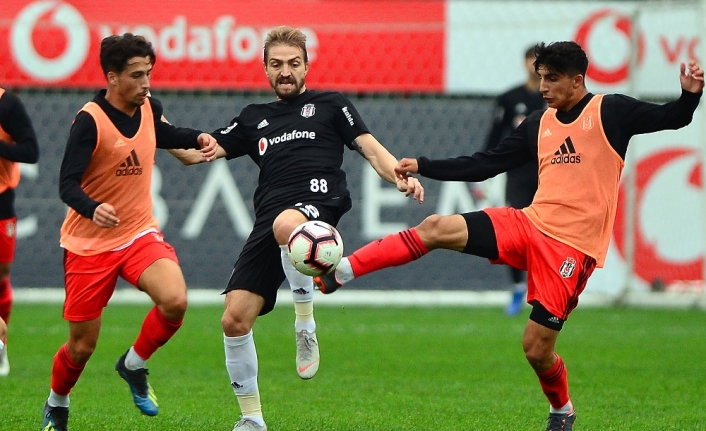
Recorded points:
539,355
233,325
175,307
3,330
285,223
430,225
433,231
81,350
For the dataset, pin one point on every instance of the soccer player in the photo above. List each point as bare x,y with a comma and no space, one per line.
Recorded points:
18,144
580,143
511,108
298,142
109,230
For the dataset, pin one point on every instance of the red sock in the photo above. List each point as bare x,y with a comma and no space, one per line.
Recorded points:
555,384
392,250
156,331
5,299
65,372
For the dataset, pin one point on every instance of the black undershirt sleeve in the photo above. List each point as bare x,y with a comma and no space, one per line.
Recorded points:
515,150
16,122
168,135
624,117
77,156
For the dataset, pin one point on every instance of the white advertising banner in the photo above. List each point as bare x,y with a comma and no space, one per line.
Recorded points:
668,221
486,41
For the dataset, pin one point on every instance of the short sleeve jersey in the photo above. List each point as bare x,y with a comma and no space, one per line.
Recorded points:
298,144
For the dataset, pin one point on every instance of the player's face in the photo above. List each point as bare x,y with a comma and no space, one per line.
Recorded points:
560,91
132,84
286,70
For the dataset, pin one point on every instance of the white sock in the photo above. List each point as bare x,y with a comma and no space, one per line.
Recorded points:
2,347
133,361
241,363
302,287
564,410
56,400
344,271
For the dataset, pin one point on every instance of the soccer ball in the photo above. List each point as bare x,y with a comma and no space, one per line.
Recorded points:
315,248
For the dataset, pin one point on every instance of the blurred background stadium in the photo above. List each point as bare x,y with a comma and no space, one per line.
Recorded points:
423,75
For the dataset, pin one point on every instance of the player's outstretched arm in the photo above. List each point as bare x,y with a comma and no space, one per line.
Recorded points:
692,80
384,164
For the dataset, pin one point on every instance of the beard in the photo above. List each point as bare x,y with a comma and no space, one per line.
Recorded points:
290,92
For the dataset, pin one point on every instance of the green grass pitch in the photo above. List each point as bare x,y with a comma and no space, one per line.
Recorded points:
382,368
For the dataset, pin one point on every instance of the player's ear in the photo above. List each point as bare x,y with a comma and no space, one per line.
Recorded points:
579,81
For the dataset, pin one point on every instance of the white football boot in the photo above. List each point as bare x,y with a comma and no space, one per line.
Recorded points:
307,354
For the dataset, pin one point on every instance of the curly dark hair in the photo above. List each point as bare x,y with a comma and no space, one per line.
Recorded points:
566,58
117,50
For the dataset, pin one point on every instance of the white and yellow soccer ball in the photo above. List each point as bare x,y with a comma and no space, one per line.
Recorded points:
315,248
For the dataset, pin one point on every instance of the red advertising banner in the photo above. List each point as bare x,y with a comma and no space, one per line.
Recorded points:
353,45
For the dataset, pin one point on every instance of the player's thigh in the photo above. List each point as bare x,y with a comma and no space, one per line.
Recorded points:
152,266
259,267
89,283
557,275
448,232
164,282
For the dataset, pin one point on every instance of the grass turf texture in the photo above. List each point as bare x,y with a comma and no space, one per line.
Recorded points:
382,369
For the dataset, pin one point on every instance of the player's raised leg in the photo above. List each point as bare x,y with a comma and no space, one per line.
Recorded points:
164,283
447,232
242,308
302,287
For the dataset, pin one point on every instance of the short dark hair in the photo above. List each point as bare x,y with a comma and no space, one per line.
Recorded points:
117,50
566,58
529,52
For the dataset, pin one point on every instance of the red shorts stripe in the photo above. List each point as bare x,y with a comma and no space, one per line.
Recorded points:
556,273
90,280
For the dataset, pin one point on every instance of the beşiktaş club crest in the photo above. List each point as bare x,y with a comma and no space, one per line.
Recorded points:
568,267
308,110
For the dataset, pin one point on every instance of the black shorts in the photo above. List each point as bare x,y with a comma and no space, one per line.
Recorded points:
259,266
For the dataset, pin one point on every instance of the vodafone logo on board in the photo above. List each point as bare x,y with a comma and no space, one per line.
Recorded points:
609,59
53,16
667,231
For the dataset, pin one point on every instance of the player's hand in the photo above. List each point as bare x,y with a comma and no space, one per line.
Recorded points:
209,145
411,186
105,216
693,79
405,167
